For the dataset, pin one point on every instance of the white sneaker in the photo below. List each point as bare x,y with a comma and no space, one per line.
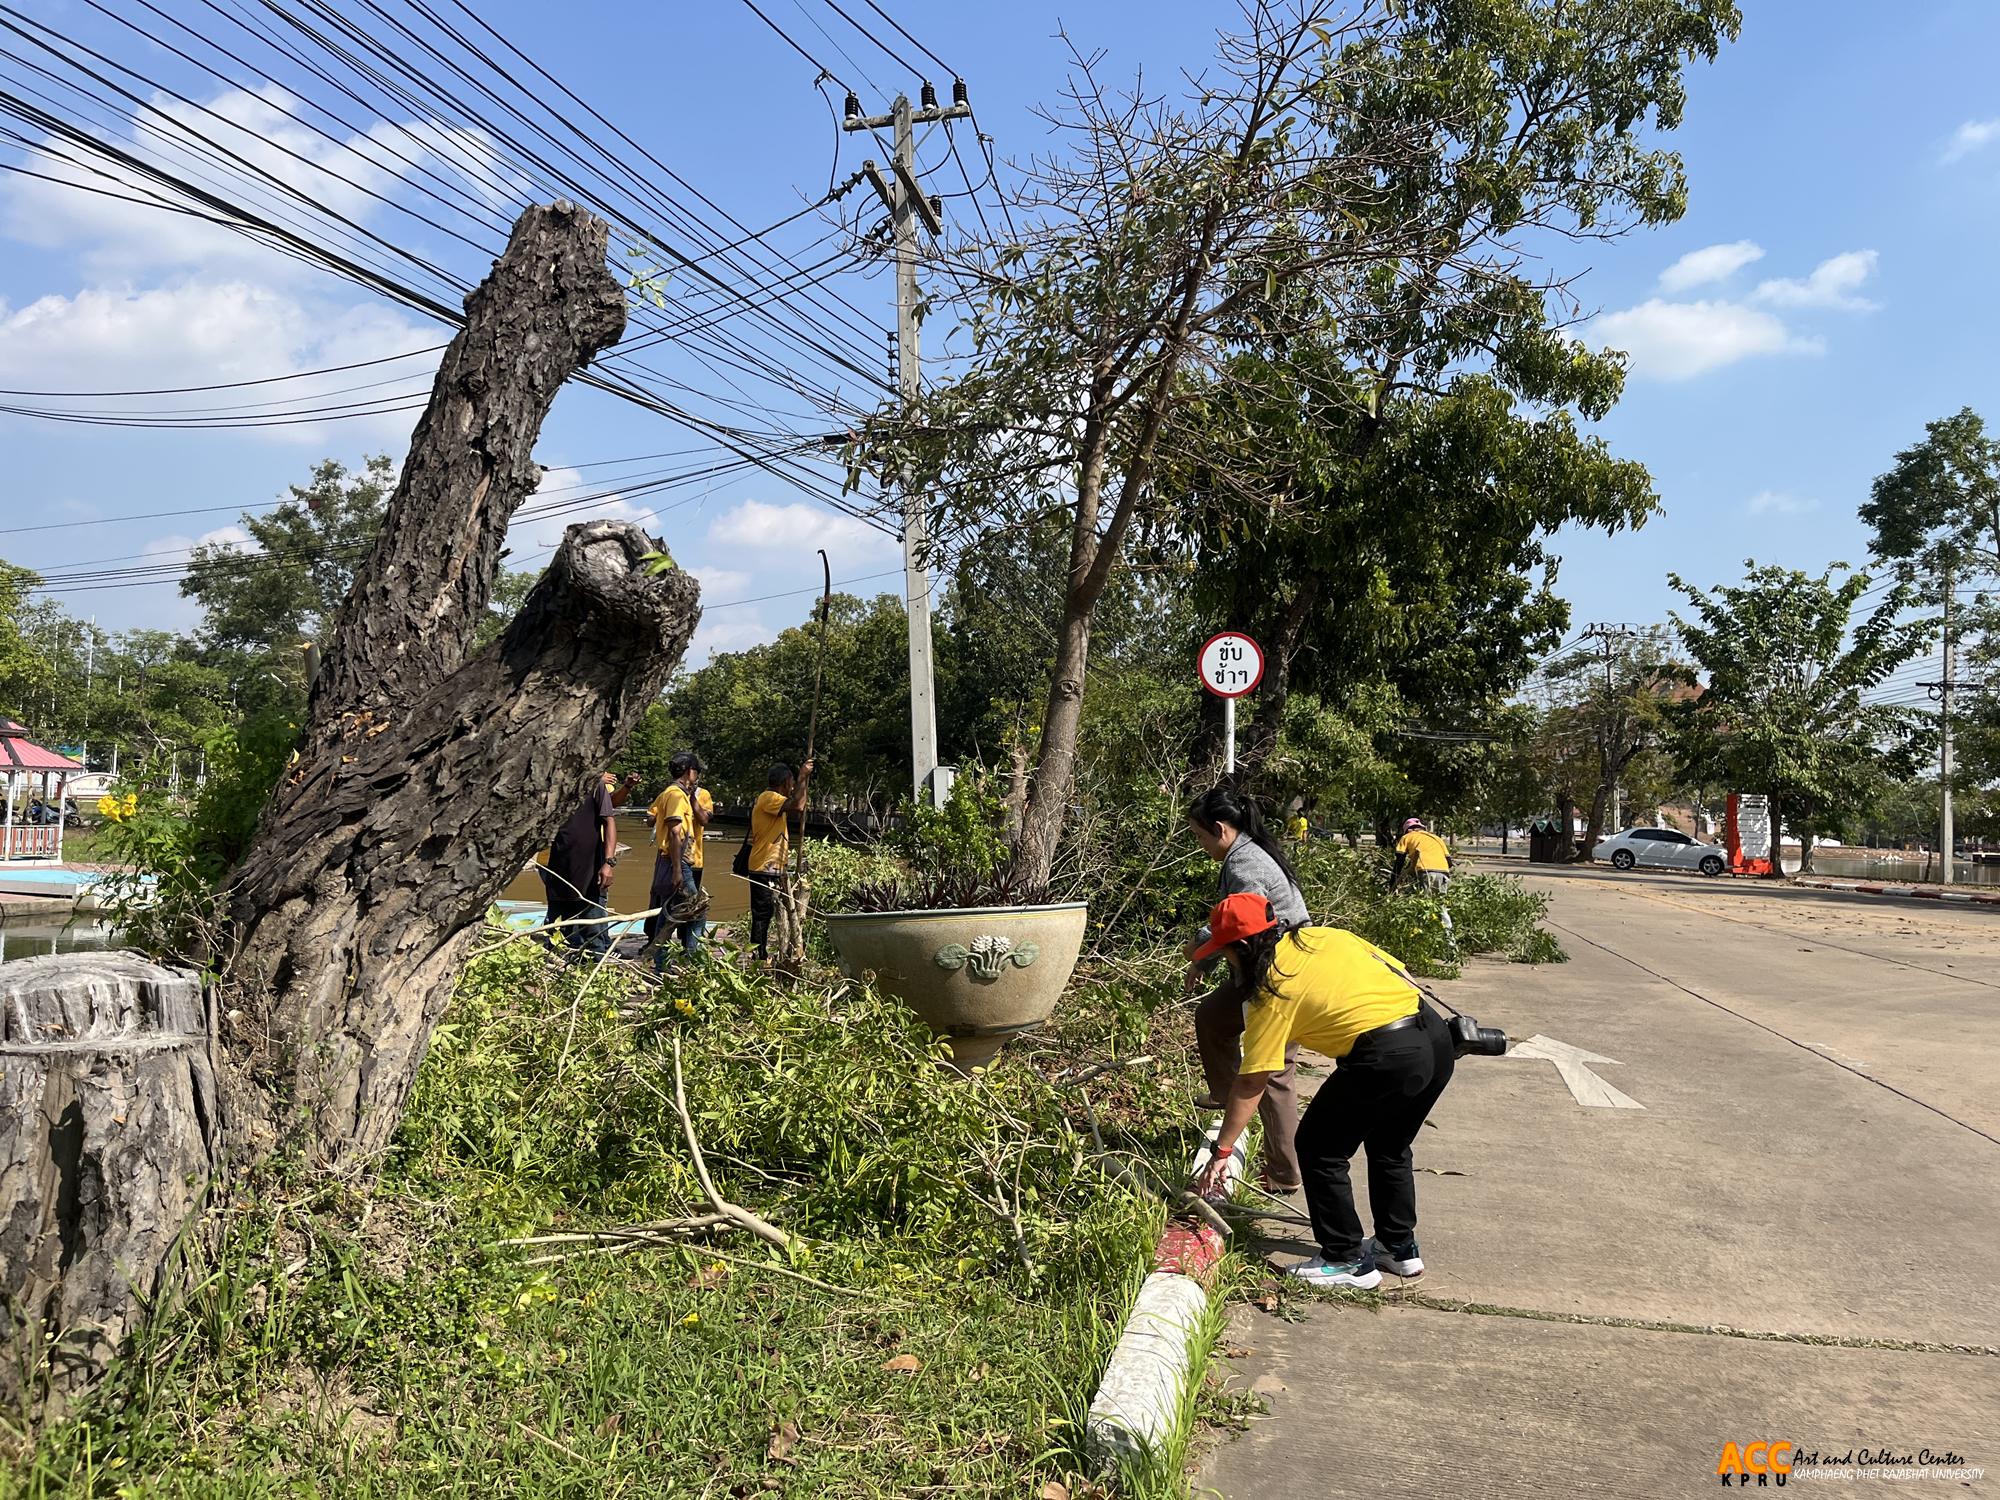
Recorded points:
1319,1271
1410,1265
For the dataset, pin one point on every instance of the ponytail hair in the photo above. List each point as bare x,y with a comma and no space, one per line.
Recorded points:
1259,951
1223,803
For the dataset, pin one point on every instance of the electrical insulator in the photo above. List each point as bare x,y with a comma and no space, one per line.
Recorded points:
853,105
929,95
958,93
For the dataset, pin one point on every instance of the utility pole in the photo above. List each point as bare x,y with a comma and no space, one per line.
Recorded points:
1945,831
904,197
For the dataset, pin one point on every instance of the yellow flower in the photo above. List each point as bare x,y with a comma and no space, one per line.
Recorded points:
110,807
690,1320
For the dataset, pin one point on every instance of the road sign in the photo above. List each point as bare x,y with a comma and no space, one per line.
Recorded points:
1231,665
1573,1063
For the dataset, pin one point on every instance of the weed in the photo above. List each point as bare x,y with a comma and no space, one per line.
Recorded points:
388,1343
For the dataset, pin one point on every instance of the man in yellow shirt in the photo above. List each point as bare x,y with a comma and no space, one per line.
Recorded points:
770,841
679,816
1426,855
1327,989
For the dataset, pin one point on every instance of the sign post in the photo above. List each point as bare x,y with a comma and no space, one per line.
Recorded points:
1231,667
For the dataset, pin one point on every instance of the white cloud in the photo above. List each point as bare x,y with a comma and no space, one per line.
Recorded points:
1970,137
1834,283
720,584
207,333
1713,263
1680,340
797,529
732,630
349,176
1778,502
566,499
179,545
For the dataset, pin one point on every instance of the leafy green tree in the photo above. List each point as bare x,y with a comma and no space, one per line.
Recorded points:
1783,669
1938,507
746,709
1373,187
25,677
263,604
1936,517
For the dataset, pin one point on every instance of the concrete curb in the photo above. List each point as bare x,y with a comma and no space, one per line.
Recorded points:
1921,892
1151,1376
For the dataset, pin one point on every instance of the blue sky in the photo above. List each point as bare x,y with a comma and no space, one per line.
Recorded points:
1827,293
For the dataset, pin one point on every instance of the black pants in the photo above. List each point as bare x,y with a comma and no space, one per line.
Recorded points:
1377,1098
763,906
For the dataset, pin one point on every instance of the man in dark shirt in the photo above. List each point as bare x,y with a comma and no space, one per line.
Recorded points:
577,876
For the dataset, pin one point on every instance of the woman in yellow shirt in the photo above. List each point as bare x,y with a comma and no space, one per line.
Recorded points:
1340,995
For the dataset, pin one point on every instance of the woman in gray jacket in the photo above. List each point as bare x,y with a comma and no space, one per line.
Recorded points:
1230,830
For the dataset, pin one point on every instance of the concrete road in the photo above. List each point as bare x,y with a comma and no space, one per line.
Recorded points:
1816,1155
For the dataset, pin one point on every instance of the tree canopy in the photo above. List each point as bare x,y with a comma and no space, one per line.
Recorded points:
1783,668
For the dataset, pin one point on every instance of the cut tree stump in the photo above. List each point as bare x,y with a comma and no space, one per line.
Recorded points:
107,1110
425,776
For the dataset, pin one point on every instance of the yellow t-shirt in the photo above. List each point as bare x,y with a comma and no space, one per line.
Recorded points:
768,839
1426,848
672,804
1299,829
1327,986
704,804
669,808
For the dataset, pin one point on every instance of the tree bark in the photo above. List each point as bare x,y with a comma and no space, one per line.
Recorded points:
424,779
381,854
107,1121
1276,688
547,306
1805,851
1777,870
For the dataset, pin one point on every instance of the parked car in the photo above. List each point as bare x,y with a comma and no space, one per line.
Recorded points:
1661,849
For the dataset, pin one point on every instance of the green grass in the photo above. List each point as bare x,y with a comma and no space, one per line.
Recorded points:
385,1344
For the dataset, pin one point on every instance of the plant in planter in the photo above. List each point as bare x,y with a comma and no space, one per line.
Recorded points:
979,958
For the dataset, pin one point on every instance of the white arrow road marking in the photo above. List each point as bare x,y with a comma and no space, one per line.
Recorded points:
1572,1063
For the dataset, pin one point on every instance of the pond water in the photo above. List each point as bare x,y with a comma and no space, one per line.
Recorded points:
1896,869
632,881
39,936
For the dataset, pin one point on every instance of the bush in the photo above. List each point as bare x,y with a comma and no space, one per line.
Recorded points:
177,848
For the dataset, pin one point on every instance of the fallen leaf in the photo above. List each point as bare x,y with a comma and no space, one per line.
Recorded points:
1234,1351
611,1424
783,1441
980,1373
1055,1489
903,1364
710,1275
1268,1303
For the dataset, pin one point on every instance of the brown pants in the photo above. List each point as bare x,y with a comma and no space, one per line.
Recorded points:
1218,1036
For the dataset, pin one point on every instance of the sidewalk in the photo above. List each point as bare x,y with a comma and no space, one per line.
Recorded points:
1790,1239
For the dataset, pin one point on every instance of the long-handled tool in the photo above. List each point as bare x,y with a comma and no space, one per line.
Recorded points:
819,678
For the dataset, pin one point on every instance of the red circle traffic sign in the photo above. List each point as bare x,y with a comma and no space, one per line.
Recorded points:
1231,664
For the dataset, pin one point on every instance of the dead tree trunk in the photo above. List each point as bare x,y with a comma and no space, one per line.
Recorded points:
426,779
107,1104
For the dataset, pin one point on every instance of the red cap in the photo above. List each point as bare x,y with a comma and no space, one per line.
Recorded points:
1236,917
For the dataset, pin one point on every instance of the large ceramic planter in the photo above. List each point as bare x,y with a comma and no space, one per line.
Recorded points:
976,976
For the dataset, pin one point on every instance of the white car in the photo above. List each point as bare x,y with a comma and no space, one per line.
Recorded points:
1661,849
